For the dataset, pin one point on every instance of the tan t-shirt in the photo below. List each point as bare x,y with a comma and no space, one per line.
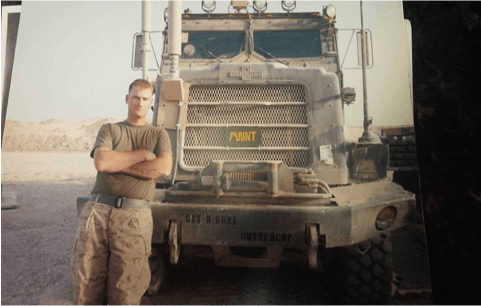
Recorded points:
122,136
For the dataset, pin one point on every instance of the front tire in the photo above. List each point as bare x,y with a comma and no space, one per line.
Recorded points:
362,273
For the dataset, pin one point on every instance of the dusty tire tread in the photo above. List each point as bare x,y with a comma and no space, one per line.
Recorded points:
371,284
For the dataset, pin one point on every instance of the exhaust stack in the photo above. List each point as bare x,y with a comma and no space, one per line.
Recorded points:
175,36
172,88
146,38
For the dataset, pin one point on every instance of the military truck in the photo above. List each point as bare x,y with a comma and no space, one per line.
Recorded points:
253,103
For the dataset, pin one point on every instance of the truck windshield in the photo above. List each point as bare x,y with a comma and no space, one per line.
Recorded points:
215,44
288,44
227,44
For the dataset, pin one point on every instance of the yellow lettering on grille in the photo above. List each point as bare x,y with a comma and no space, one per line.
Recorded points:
232,135
243,136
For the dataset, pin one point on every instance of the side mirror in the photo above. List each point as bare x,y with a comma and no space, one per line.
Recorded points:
367,47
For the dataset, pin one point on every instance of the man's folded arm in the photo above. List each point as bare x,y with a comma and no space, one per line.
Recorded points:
107,160
152,169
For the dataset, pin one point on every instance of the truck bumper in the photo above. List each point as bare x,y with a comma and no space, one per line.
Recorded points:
349,218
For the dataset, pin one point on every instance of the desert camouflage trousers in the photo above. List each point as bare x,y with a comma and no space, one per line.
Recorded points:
110,263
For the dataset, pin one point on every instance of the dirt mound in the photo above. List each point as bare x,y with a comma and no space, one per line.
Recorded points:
52,135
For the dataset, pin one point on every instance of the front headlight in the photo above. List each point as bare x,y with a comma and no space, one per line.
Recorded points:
385,218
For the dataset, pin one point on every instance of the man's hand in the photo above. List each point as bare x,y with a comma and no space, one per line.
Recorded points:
107,160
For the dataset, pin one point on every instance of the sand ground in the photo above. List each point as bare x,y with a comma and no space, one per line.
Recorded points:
46,166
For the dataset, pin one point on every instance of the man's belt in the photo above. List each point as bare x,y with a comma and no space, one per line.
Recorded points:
119,202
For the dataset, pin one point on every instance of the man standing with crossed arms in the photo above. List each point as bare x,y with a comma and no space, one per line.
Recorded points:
110,261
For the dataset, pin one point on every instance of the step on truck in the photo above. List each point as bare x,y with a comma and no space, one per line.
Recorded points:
253,103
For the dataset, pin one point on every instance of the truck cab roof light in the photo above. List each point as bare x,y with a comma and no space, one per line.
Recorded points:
330,12
260,5
166,15
288,5
208,6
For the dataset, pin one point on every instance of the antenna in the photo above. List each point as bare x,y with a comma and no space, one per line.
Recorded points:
367,136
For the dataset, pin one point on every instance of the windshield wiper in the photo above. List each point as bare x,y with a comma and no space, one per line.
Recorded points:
272,56
242,45
210,53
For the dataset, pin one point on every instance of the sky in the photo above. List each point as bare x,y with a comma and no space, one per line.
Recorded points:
73,58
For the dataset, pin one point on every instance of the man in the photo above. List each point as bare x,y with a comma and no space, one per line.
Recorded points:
110,261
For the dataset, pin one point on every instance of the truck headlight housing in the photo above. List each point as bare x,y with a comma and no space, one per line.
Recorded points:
385,218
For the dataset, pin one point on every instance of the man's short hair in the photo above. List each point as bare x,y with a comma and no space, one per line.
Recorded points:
143,84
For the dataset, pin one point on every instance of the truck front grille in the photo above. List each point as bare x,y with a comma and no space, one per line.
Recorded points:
278,110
